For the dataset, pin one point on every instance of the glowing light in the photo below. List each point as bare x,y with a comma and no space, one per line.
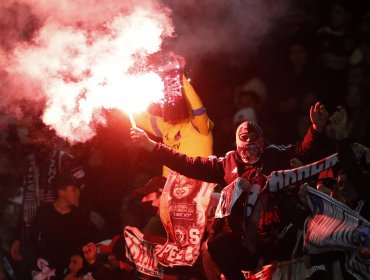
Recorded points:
82,70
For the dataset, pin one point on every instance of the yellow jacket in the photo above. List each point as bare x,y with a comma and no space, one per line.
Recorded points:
193,136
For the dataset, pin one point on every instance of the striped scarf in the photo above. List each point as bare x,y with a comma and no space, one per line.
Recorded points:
37,190
334,226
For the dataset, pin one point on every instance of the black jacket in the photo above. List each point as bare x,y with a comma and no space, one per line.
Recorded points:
224,170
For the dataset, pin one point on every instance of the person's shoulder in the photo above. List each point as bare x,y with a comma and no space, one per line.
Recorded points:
276,157
229,155
272,148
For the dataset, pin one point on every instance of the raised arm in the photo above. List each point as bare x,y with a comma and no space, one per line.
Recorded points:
209,170
358,177
314,145
150,123
198,115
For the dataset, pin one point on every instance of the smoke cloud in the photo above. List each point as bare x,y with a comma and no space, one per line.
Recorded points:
76,59
68,54
218,26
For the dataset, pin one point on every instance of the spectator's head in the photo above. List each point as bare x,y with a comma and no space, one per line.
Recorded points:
362,154
249,142
340,15
175,111
150,194
68,189
76,263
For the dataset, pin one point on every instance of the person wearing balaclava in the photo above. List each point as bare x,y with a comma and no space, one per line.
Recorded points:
230,247
180,120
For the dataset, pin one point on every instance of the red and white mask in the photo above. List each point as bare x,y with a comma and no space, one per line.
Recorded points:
249,142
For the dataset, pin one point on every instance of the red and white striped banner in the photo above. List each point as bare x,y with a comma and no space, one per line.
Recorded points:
183,211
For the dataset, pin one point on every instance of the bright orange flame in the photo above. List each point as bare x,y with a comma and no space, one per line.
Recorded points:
82,71
139,92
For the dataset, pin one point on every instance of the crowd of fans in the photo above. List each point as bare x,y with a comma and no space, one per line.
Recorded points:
61,202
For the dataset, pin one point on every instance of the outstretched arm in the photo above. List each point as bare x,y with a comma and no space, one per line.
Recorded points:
209,170
141,139
313,145
198,114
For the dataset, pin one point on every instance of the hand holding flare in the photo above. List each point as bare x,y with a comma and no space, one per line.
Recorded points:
141,139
